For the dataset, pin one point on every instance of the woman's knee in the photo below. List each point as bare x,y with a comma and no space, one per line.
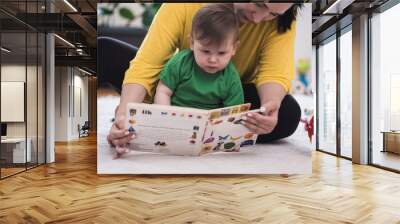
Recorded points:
291,114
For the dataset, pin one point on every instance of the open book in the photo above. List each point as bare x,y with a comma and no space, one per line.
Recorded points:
187,131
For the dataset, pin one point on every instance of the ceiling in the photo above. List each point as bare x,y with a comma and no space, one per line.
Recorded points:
331,15
22,21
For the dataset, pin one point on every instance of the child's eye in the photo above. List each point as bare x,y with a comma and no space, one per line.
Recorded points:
221,53
205,51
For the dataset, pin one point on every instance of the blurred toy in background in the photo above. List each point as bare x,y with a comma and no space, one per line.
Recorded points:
303,66
301,84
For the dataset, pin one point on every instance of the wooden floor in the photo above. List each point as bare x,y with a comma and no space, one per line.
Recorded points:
10,171
70,191
387,159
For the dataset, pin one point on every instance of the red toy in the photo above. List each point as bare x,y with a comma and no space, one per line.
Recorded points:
309,127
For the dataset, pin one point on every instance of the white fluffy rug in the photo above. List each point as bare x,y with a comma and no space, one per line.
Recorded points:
288,156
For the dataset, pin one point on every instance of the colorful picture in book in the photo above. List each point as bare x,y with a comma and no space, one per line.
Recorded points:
217,136
215,114
244,107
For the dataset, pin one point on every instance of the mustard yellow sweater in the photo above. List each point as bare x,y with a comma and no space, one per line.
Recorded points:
263,55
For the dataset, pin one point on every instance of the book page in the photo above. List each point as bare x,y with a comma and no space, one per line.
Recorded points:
225,132
166,129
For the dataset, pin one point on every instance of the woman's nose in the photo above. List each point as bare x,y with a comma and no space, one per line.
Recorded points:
257,17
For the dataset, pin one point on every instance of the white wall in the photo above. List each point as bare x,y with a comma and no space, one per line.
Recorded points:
68,81
304,33
12,73
303,45
80,83
313,60
61,103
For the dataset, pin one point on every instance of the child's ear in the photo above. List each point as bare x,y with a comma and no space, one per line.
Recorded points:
191,42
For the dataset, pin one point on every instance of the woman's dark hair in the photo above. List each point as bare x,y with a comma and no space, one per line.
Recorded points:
285,21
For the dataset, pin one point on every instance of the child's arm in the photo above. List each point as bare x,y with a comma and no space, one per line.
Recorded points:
163,94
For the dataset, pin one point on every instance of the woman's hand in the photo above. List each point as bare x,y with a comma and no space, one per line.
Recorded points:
264,122
119,136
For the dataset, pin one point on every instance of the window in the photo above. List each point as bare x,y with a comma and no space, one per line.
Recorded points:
22,75
346,93
327,96
385,89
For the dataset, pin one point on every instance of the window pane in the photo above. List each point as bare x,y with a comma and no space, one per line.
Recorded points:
31,97
327,97
346,94
14,153
41,98
385,86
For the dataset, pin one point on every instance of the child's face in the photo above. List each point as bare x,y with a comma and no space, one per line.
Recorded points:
212,57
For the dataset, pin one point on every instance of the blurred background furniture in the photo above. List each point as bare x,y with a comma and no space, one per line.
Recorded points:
13,152
391,141
84,129
113,57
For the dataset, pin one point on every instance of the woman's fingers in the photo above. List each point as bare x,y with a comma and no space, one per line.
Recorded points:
119,137
123,140
259,123
118,129
253,128
118,133
119,149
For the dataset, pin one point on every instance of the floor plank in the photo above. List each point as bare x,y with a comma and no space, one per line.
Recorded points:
70,191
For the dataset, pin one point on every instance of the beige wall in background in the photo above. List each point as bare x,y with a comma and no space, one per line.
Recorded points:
17,73
34,125
70,83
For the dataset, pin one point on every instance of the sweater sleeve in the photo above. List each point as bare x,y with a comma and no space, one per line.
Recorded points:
158,47
277,58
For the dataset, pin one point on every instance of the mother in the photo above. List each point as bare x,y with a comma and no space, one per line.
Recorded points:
264,60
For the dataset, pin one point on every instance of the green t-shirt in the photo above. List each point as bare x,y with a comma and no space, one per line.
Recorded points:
193,87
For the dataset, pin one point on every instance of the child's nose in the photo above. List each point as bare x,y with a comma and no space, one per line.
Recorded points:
212,58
